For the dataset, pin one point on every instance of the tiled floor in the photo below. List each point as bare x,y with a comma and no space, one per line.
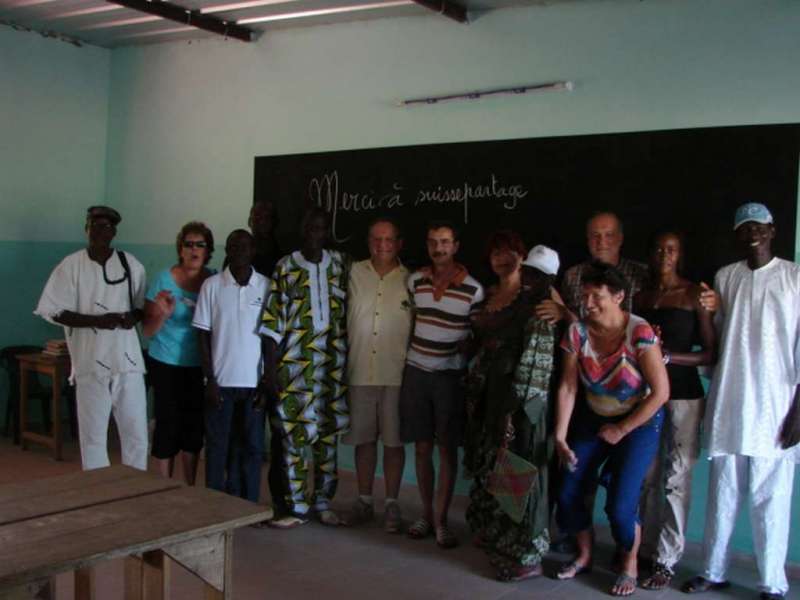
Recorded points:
316,562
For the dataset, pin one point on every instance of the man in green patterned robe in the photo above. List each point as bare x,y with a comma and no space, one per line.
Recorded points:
303,327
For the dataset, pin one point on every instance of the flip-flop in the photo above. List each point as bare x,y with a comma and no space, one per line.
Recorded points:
571,570
445,538
288,522
622,580
420,529
699,584
514,574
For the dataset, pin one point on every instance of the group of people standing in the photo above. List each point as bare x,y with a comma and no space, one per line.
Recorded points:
282,356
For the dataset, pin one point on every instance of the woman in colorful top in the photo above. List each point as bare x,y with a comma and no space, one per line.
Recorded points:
672,305
620,365
507,395
174,365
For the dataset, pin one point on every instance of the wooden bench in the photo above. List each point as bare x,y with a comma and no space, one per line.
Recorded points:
72,522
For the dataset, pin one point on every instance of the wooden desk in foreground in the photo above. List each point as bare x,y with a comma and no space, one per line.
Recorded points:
72,522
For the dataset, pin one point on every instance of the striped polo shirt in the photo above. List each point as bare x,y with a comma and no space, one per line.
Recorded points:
440,325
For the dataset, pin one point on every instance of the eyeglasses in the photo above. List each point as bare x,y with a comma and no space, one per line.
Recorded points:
191,244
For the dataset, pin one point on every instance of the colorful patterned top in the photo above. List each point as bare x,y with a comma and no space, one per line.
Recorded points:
305,315
614,383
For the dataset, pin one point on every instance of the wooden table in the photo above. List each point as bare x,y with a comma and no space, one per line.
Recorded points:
71,522
58,368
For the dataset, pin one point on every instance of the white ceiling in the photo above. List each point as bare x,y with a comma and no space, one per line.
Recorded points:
106,24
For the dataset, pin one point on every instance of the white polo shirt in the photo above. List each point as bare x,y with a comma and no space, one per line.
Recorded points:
232,313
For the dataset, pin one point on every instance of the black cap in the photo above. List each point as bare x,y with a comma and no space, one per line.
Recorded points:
103,212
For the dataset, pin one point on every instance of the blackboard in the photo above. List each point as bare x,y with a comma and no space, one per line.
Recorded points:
546,188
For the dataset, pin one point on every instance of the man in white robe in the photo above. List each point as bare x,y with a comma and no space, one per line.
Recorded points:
753,423
97,295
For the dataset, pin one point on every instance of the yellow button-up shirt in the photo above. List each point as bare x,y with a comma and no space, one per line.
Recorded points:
378,325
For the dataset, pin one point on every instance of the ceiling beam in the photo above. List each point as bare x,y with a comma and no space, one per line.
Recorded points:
446,8
193,18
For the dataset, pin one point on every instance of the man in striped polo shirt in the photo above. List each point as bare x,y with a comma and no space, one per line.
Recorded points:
432,396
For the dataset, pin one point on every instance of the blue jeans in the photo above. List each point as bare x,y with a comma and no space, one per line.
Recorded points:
626,465
235,444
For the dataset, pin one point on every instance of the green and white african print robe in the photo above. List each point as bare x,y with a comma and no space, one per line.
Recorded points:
305,314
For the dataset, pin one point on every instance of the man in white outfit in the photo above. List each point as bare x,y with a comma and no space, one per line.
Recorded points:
97,295
753,423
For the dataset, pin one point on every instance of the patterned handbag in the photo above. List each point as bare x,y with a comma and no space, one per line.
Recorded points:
511,481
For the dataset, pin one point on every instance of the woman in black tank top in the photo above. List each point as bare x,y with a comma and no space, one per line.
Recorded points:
671,304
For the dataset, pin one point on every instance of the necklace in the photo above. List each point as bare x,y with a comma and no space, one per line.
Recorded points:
664,292
498,301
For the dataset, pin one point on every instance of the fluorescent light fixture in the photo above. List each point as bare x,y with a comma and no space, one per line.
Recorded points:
553,86
142,34
122,22
82,12
24,3
215,8
326,11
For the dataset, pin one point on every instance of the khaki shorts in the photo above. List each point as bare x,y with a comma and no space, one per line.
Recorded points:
374,414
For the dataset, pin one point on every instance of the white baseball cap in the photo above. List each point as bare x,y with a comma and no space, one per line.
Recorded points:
543,258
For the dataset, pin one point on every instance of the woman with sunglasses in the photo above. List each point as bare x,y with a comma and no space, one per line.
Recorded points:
174,365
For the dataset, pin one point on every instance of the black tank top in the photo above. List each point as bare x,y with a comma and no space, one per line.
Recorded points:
680,331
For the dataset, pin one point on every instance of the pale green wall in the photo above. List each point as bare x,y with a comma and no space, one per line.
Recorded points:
186,120
53,128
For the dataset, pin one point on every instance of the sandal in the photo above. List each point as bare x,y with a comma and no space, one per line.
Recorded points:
329,518
571,570
288,522
624,585
659,578
445,538
699,584
420,529
517,573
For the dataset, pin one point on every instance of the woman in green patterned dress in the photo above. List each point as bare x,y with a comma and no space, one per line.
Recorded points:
508,391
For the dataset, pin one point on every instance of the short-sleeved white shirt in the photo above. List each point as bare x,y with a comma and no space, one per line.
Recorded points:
79,284
232,313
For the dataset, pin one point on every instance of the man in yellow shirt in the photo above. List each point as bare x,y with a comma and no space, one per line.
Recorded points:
378,326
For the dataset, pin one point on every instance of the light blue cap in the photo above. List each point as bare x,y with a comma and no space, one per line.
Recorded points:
752,211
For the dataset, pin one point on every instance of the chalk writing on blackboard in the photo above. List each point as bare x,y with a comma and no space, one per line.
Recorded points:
326,192
493,189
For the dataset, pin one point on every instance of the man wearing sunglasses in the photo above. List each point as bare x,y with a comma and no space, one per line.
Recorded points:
97,295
